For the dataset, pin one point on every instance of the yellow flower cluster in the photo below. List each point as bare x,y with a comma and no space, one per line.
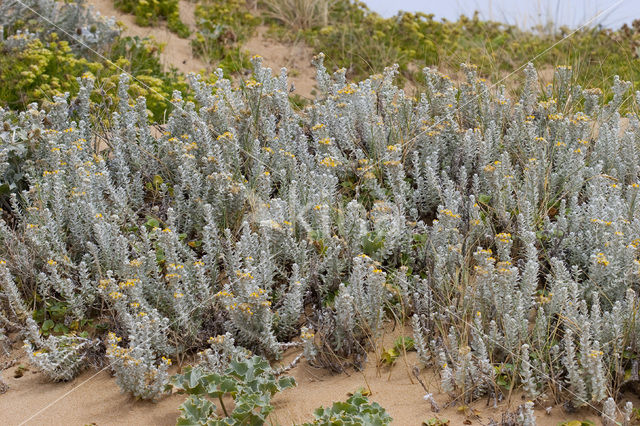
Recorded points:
504,237
115,295
225,135
244,275
329,162
602,222
601,259
252,83
448,212
131,282
258,293
287,153
347,90
216,340
307,335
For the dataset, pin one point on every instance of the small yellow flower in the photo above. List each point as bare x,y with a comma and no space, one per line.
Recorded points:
601,259
225,135
329,162
504,237
115,295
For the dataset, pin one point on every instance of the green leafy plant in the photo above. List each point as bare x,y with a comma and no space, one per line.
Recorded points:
149,12
357,410
51,318
504,374
435,421
249,382
401,345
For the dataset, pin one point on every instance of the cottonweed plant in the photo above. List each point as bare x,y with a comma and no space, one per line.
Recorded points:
60,358
74,22
504,231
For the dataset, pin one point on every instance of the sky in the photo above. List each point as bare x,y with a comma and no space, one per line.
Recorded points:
524,13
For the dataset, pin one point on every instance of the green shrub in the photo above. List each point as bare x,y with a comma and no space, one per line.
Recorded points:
39,71
250,383
223,26
357,410
363,42
149,12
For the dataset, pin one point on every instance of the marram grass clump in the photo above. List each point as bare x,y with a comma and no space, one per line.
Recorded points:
506,231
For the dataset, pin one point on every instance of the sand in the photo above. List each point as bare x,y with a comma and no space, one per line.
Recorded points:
296,57
177,51
95,398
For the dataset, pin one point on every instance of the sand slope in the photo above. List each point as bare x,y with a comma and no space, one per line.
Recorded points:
95,398
177,51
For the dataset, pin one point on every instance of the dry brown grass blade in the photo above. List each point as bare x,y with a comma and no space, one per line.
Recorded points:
299,14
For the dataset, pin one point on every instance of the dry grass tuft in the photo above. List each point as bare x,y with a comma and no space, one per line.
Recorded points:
299,14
